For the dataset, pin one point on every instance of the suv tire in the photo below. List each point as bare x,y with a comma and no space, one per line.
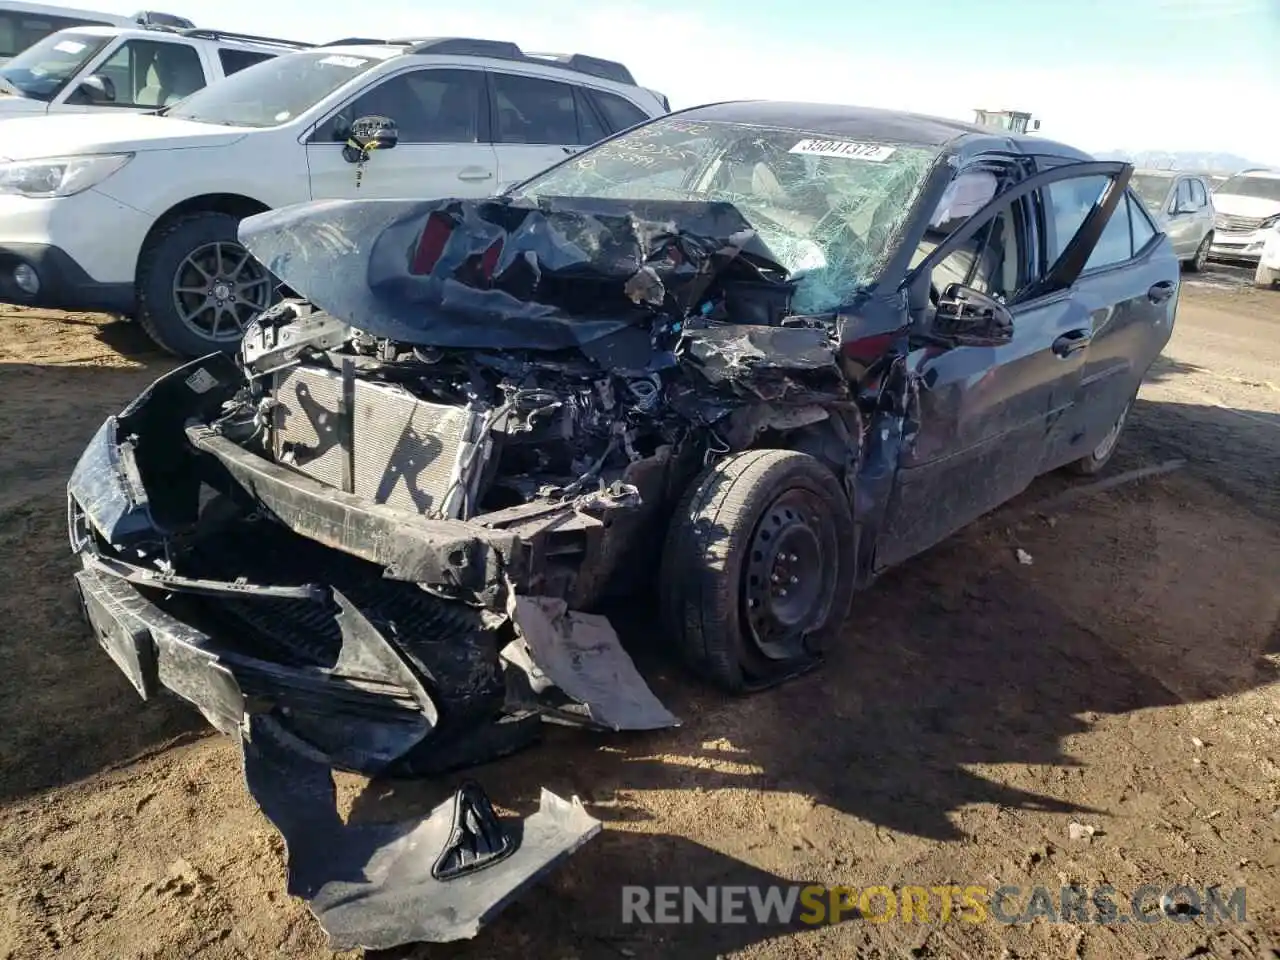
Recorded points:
182,256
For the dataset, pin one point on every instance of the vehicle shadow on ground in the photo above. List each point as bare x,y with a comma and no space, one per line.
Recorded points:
125,337
962,656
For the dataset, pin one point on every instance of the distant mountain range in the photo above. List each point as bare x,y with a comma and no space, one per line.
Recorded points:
1182,160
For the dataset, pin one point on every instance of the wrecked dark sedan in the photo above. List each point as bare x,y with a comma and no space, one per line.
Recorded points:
740,358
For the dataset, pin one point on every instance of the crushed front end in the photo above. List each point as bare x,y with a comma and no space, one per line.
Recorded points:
375,540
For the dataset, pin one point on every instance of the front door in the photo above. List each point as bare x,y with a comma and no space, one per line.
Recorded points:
443,151
136,75
1181,222
987,415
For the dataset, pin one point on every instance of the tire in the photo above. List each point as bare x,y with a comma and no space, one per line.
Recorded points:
165,264
1097,459
1201,257
716,568
1265,278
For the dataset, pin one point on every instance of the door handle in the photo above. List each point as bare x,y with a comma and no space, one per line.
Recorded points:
475,173
1160,292
1071,341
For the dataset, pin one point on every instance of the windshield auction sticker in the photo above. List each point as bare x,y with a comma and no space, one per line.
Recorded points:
849,149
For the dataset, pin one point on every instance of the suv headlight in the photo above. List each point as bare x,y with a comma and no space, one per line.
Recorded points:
1270,222
59,176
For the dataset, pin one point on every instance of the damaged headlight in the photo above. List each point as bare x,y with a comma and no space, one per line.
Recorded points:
59,176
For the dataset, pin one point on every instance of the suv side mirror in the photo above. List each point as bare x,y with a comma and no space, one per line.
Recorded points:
97,89
368,134
968,318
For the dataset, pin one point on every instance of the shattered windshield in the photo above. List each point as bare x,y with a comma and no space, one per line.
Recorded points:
828,208
42,70
1151,190
272,92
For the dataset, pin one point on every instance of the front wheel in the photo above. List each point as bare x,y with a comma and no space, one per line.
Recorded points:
198,288
758,568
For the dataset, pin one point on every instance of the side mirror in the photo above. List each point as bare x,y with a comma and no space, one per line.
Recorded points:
97,89
967,318
368,134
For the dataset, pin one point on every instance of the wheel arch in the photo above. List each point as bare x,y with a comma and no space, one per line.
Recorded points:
232,204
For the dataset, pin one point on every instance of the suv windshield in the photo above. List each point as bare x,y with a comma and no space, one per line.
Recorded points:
272,92
42,70
1242,185
829,209
1151,189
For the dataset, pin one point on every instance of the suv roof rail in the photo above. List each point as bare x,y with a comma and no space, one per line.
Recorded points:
463,47
505,50
157,18
203,34
594,66
358,42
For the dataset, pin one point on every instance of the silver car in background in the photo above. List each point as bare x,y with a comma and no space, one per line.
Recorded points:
1182,205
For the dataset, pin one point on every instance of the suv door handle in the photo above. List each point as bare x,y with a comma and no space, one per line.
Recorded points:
1071,341
1160,292
475,173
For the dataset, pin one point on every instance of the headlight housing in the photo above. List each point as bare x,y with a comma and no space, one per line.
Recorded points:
59,176
1270,222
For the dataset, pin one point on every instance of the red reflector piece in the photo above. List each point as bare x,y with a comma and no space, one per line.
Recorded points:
435,236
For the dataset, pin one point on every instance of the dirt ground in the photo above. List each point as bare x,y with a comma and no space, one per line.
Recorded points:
1125,680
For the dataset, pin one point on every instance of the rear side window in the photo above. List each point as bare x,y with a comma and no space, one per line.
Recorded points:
1183,200
1198,195
1126,233
619,112
533,110
233,61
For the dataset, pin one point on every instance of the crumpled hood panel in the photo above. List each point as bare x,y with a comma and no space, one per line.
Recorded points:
497,275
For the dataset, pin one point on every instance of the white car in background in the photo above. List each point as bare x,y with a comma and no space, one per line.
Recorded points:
137,214
135,68
1247,225
23,23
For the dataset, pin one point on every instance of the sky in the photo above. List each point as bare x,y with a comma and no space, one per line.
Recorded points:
1185,75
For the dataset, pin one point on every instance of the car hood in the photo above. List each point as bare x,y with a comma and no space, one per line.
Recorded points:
29,138
493,274
1241,206
16,105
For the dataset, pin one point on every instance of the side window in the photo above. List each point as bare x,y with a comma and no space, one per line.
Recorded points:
991,261
533,110
233,61
589,127
428,106
1183,201
1116,243
619,112
1198,195
1143,228
20,30
149,73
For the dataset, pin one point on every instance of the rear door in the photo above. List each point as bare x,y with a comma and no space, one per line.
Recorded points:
1129,291
988,415
443,149
536,123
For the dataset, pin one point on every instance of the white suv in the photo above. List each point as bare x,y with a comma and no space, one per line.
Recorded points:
137,215
1247,226
83,69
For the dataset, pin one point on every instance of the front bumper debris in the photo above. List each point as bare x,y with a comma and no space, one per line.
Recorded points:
325,631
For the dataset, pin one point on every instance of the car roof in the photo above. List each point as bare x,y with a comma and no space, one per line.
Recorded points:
1168,174
891,126
221,38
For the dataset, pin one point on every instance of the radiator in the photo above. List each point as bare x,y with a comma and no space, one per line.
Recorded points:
404,452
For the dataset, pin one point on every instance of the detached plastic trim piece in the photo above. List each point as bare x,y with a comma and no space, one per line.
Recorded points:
477,840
